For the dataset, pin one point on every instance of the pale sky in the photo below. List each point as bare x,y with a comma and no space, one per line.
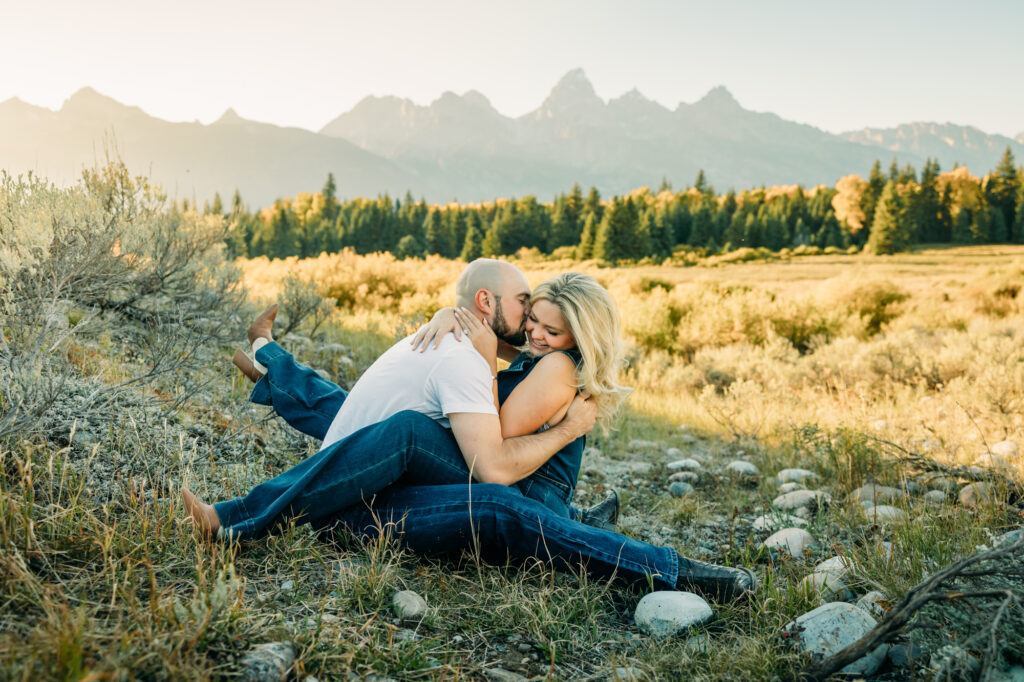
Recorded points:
838,66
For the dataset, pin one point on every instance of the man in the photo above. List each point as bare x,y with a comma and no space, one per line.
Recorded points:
388,435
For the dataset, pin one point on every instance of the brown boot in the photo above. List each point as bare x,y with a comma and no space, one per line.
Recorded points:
261,326
245,364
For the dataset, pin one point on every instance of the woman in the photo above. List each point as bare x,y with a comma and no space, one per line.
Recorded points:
574,345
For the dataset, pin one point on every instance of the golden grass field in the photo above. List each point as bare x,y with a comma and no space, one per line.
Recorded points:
810,361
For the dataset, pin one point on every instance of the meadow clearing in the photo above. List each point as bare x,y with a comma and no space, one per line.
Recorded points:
831,363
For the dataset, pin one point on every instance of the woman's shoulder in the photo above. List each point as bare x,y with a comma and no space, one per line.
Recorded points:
558,362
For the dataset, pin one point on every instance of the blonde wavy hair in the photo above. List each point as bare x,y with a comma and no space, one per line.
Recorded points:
593,319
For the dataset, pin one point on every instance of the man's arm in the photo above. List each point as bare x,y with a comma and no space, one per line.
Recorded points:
493,459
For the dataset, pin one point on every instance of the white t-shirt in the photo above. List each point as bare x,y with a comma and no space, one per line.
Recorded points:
453,378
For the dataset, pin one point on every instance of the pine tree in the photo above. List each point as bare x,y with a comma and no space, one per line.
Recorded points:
1018,225
472,246
876,183
701,183
592,206
585,250
702,227
830,234
662,237
433,232
1003,188
981,224
888,229
410,246
617,235
491,245
961,232
217,208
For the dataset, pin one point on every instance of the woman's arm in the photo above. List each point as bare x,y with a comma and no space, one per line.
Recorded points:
541,398
440,324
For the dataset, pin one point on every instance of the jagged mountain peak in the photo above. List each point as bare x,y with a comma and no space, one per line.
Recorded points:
572,99
88,102
718,98
229,117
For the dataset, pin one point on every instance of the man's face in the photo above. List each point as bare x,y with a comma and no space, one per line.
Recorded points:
511,306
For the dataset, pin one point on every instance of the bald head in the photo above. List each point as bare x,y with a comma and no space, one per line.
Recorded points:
486,273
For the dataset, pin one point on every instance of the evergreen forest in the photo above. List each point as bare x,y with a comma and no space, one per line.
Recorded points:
888,212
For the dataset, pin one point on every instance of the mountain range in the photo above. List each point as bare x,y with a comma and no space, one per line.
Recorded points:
461,148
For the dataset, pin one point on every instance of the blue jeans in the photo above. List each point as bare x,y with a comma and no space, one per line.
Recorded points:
408,448
367,483
308,402
506,526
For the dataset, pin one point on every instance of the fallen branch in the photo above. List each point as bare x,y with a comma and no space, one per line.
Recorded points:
936,587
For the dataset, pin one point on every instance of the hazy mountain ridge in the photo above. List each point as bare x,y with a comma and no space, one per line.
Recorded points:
948,142
461,147
189,160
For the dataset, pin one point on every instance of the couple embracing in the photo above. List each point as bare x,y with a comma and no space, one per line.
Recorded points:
454,454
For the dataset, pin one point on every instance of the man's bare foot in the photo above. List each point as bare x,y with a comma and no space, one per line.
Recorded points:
245,364
203,515
261,326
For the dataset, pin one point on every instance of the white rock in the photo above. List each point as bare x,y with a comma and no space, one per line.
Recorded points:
688,439
796,475
935,497
663,614
268,662
801,498
877,494
976,495
883,513
408,605
776,521
502,675
791,540
832,627
688,464
826,585
790,487
839,566
687,476
288,586
674,452
680,489
742,468
875,603
1005,448
991,460
641,445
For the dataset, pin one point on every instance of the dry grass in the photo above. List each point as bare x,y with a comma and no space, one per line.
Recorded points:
797,361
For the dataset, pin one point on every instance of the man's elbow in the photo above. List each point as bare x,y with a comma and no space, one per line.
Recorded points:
491,473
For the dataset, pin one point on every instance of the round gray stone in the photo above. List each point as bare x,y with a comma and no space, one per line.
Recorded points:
688,476
832,627
875,603
793,541
689,464
883,513
877,494
801,498
742,468
269,662
667,613
839,566
408,605
1005,448
637,444
776,521
935,497
790,487
976,495
795,475
828,586
680,489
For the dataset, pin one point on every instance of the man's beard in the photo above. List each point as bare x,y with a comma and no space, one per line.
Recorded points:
503,331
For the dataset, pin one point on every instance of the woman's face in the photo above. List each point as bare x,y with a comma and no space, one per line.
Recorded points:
546,329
